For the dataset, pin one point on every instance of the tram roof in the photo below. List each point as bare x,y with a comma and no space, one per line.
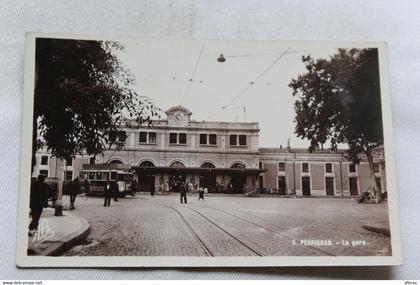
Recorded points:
105,166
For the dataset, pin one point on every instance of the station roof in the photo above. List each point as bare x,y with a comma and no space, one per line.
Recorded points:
199,170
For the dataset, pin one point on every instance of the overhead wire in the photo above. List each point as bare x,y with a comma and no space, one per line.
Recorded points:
193,75
263,54
243,91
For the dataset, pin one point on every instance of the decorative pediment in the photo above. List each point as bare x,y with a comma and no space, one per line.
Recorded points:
178,116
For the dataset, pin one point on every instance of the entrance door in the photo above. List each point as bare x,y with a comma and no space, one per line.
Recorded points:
282,185
353,186
208,181
329,186
306,186
175,182
146,182
238,182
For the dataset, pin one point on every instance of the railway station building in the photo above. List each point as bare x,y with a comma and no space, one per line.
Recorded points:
222,157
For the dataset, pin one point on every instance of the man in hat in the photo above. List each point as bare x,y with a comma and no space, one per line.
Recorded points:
38,200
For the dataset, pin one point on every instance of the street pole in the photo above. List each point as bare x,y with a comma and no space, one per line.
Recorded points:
59,202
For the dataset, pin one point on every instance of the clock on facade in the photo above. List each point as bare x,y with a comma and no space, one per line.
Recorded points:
179,116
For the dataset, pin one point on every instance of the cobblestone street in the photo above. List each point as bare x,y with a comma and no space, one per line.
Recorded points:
230,226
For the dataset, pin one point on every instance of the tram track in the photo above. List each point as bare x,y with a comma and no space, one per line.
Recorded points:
206,247
268,229
190,228
231,235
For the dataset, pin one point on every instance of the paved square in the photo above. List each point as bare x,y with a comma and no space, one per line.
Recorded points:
224,225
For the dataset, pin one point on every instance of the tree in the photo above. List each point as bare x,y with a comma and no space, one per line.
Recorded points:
339,101
83,98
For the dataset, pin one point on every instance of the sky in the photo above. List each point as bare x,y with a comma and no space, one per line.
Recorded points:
221,91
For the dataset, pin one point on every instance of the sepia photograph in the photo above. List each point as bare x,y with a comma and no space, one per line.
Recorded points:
172,152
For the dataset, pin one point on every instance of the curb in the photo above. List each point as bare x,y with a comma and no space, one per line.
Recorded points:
59,247
378,229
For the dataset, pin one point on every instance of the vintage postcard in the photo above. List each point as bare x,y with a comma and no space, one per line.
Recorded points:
175,153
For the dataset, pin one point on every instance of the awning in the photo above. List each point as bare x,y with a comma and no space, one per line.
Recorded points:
195,170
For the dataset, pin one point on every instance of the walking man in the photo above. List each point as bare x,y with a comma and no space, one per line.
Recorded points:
107,194
115,190
183,192
85,187
74,190
38,200
200,194
134,186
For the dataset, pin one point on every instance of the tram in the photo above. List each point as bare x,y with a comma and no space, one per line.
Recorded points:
98,175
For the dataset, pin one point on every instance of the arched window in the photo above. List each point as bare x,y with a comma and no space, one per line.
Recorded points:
147,163
115,161
208,165
177,164
238,165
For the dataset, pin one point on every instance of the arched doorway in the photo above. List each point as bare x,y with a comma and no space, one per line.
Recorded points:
176,180
115,161
208,180
237,180
207,165
147,163
146,181
177,164
238,165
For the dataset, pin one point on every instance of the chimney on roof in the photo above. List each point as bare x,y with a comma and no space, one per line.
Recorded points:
281,147
288,144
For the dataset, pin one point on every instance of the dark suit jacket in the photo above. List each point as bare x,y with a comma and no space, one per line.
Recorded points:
39,196
114,188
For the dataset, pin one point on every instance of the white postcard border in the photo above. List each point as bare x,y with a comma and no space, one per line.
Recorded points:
23,260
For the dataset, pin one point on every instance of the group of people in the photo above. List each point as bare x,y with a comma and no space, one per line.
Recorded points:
183,189
111,191
41,192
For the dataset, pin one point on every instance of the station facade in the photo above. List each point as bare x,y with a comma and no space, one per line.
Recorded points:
222,157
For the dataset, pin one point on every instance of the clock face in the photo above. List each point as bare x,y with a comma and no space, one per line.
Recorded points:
179,118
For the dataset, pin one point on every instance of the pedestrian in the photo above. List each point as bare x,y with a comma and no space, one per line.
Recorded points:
134,186
152,190
229,187
38,200
190,187
85,187
74,187
115,190
183,192
200,194
107,194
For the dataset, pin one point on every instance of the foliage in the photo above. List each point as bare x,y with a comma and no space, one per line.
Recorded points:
83,95
338,101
